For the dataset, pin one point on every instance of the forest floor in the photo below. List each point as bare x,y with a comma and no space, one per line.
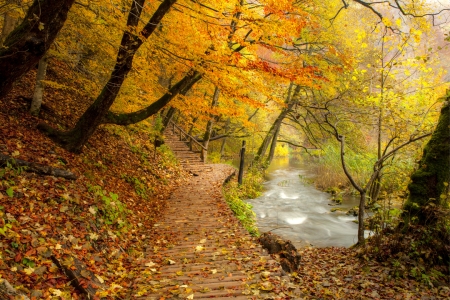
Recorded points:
104,219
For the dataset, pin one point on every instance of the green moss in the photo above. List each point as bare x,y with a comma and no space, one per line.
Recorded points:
430,182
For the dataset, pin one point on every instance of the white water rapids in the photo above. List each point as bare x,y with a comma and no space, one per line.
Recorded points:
297,211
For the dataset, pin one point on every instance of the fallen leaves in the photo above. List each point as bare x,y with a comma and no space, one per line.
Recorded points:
343,275
150,264
41,216
92,210
45,216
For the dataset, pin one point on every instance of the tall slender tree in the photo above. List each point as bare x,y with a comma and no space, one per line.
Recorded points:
209,125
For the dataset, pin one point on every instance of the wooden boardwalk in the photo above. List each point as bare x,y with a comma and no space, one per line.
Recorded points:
190,160
202,250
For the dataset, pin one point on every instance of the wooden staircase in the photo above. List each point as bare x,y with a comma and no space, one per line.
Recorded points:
189,152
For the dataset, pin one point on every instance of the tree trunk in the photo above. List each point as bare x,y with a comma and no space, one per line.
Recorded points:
210,123
7,291
192,125
224,141
27,43
36,168
9,21
374,191
181,87
168,117
361,211
430,182
273,146
276,125
74,139
362,191
39,89
222,147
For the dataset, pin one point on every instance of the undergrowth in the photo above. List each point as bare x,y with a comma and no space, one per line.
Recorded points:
328,168
235,195
414,250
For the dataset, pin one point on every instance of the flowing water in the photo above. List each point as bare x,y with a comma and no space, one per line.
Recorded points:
294,209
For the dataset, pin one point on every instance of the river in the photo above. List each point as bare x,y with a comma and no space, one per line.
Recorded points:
294,209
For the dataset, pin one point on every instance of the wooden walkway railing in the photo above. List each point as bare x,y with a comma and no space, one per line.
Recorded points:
190,140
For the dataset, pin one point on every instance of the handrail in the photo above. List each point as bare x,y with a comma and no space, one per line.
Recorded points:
187,134
190,139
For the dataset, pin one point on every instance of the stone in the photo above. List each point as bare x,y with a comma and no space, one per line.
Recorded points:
284,249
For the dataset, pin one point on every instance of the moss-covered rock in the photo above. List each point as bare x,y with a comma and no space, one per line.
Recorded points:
429,184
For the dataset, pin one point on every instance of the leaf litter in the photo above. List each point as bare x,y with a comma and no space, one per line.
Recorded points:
44,216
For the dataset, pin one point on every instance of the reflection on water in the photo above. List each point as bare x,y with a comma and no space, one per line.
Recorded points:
299,212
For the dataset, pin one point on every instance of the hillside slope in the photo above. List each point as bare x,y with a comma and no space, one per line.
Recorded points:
103,218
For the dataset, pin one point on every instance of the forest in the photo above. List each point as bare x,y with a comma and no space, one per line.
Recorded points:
357,89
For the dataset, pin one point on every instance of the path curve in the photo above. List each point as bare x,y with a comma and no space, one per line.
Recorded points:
202,250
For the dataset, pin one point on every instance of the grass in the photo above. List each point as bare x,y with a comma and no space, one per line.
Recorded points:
236,194
328,167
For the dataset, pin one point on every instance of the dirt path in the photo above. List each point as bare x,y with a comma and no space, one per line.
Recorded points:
204,252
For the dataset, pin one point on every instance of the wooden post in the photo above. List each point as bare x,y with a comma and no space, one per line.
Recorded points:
204,155
241,164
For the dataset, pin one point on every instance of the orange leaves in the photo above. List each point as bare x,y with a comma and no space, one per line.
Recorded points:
306,75
279,8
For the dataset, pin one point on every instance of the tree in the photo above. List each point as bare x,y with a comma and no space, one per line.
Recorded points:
209,125
233,54
430,182
39,89
272,134
9,20
377,166
74,139
28,42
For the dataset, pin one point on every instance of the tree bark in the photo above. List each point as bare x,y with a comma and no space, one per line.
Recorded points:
80,276
27,43
168,117
361,190
36,168
273,146
192,125
374,190
361,212
289,257
430,183
74,139
9,21
182,87
172,110
210,123
36,103
224,141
